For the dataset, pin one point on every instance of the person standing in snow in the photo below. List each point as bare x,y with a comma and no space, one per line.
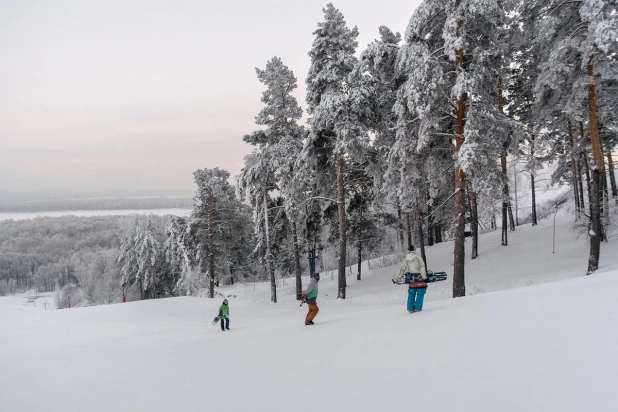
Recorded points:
224,315
414,266
311,295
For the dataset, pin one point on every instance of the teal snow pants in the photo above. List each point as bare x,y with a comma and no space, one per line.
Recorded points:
415,299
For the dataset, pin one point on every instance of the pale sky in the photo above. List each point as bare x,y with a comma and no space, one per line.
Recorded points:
112,96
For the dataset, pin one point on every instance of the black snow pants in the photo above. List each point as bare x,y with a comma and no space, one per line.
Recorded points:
227,324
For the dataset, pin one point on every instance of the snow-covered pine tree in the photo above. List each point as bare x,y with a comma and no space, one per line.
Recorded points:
139,258
581,41
215,208
257,179
337,104
450,72
379,62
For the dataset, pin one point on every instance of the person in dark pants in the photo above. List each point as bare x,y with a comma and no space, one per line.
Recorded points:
311,295
224,315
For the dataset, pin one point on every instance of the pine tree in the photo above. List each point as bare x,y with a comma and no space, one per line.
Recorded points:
581,46
337,105
258,177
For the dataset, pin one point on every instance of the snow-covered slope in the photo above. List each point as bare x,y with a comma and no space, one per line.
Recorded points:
528,260
547,347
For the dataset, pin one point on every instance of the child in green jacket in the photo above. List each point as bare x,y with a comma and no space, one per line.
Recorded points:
224,315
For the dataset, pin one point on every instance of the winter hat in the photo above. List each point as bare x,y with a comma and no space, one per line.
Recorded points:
225,301
411,248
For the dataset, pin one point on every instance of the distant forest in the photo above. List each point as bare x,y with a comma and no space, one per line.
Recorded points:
108,203
77,255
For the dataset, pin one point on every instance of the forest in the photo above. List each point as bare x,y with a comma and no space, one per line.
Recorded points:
416,139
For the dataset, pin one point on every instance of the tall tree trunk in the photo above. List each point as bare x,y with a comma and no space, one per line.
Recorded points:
419,228
598,170
604,199
269,257
360,259
298,272
360,243
533,188
409,228
574,171
533,183
400,225
580,182
211,246
342,229
475,223
505,183
612,173
505,190
595,223
459,285
515,190
430,240
505,204
587,174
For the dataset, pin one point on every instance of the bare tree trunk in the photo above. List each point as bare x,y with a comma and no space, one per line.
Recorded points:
595,223
298,272
459,285
533,188
269,257
597,171
574,171
342,229
505,204
360,259
580,182
612,173
409,228
475,223
400,225
421,240
604,199
515,191
430,240
360,243
211,246
505,190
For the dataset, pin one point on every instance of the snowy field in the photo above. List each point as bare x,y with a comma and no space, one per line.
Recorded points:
88,213
552,346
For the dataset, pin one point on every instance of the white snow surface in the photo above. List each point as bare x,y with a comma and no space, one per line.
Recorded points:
551,346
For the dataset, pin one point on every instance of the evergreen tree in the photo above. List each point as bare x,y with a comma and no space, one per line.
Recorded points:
337,105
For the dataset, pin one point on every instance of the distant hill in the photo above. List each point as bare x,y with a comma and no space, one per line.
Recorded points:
103,203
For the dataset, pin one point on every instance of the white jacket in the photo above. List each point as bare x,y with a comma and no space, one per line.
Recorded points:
412,263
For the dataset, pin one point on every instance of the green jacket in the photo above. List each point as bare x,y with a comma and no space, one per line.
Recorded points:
312,290
224,311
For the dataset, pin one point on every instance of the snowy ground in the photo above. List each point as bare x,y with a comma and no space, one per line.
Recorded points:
547,347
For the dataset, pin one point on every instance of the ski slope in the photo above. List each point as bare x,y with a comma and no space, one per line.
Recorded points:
551,346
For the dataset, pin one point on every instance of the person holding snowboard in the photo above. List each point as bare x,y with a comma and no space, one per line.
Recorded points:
224,315
414,267
310,296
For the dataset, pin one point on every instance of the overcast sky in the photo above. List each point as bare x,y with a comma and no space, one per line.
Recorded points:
100,97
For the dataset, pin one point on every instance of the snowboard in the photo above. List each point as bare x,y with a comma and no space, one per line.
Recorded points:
216,320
